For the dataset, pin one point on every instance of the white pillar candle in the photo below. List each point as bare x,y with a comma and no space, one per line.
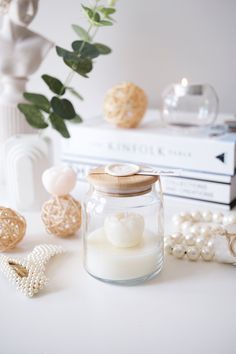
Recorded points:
112,263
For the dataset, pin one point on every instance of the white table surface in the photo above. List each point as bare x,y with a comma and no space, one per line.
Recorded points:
189,308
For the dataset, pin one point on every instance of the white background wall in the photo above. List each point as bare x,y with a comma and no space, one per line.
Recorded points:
155,42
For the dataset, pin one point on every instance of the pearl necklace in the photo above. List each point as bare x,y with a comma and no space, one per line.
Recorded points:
28,274
204,235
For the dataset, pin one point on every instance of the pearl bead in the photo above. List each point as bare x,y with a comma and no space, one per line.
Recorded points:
195,229
205,231
217,217
193,253
210,243
186,226
207,253
200,241
177,221
185,216
169,245
225,220
231,218
178,251
207,215
189,239
196,215
177,237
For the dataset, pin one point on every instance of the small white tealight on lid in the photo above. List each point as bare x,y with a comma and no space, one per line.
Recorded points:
59,180
124,229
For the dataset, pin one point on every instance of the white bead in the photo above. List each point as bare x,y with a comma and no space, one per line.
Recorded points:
217,217
169,245
207,215
196,215
189,239
207,253
231,218
177,237
177,221
193,253
205,231
225,220
185,216
124,229
59,180
178,251
195,229
200,241
210,243
186,226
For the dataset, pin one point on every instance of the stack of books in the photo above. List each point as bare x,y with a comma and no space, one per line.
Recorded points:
207,159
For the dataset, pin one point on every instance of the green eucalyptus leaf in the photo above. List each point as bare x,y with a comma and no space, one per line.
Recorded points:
40,101
82,33
63,108
107,11
88,12
54,84
33,115
112,3
105,23
61,52
75,93
96,17
80,65
59,124
76,120
86,50
102,48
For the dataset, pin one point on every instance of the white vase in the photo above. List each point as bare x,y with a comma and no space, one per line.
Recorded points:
27,156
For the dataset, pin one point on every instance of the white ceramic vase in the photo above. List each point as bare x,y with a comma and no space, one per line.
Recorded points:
27,156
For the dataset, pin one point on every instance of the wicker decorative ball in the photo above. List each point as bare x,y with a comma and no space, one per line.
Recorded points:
12,228
62,215
125,105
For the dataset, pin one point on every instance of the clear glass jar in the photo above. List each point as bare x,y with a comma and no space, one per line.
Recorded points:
189,106
123,229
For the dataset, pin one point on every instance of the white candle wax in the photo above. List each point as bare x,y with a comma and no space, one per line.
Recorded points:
112,263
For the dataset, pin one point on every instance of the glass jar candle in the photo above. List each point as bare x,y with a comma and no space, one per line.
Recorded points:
123,227
189,106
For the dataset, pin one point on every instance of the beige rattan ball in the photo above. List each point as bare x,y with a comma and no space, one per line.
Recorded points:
62,215
12,228
125,105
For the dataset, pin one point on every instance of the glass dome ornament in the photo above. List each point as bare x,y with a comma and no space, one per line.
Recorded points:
189,105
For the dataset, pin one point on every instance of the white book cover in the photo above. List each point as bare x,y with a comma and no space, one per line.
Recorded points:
152,144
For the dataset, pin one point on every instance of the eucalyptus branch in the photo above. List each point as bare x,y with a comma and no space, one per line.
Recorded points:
41,111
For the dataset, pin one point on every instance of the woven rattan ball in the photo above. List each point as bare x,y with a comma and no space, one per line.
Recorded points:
125,105
62,215
12,228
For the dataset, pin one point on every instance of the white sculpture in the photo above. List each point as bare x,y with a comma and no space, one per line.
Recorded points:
21,53
21,50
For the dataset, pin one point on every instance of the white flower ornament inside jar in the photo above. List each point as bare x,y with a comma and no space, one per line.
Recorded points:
123,225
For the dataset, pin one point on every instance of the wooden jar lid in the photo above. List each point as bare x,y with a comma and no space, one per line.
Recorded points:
128,185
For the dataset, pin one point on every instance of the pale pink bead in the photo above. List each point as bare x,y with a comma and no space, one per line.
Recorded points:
59,180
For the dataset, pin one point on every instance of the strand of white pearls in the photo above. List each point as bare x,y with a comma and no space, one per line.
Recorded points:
195,234
34,264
